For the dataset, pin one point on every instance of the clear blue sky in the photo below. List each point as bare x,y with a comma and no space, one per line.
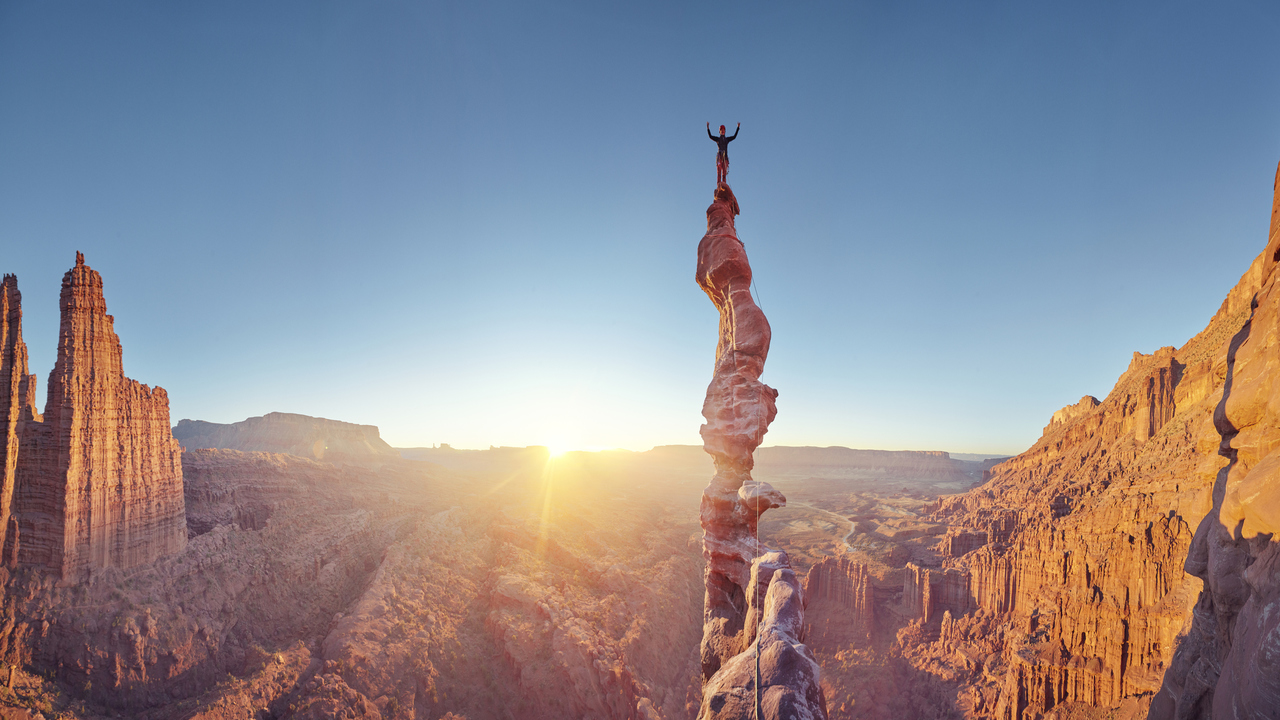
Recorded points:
475,222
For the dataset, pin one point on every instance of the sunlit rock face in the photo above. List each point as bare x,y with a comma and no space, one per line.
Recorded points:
1072,575
17,406
847,585
98,482
750,590
1228,666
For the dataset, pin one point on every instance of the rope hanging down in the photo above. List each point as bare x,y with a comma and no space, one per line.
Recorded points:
759,623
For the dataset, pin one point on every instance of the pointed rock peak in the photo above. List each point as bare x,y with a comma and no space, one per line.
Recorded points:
11,322
1275,212
82,289
724,194
9,294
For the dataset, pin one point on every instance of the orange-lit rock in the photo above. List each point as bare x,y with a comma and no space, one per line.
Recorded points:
1074,551
99,479
845,584
929,592
17,406
1228,666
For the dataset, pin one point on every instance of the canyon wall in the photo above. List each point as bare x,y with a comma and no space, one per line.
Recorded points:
1066,569
754,662
98,480
1228,665
889,463
845,584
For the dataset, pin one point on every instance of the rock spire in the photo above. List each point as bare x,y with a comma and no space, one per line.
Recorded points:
17,404
98,480
750,589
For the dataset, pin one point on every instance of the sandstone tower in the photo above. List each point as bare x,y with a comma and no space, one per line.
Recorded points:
754,661
97,481
17,406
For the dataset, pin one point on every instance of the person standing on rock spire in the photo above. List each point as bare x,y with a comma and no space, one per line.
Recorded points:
722,157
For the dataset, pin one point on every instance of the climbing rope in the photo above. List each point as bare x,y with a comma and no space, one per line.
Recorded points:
760,622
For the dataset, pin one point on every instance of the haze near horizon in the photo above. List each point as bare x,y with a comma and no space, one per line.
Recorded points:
475,224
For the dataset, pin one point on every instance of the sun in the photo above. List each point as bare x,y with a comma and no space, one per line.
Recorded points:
557,449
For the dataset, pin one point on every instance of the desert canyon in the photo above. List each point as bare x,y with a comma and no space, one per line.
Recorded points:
1125,566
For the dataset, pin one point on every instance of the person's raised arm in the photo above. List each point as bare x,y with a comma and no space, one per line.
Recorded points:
735,131
713,137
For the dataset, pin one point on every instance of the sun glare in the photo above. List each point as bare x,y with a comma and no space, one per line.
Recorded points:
559,449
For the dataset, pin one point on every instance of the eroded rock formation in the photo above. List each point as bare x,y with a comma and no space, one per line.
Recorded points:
1064,576
17,407
929,592
750,590
847,585
98,480
1228,665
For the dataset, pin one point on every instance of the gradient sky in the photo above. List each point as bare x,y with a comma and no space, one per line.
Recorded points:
476,222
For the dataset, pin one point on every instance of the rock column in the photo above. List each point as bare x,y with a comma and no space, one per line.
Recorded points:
99,480
17,405
750,589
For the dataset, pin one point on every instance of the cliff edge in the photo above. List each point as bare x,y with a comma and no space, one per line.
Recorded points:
1126,560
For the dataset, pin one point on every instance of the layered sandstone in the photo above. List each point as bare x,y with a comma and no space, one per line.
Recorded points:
1228,665
1071,412
753,658
929,592
1064,573
17,406
99,478
310,437
847,585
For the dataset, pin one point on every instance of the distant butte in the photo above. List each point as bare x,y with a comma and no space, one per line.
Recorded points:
310,437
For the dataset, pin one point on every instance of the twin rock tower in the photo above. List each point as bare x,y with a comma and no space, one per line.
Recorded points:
754,663
96,481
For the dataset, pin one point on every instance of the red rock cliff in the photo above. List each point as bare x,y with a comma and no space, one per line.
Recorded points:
1228,665
99,480
17,405
847,585
1074,551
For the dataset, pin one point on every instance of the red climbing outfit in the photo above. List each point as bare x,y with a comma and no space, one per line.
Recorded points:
722,156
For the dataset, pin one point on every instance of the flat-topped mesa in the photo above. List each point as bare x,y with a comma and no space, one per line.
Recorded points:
310,437
750,590
17,406
99,480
